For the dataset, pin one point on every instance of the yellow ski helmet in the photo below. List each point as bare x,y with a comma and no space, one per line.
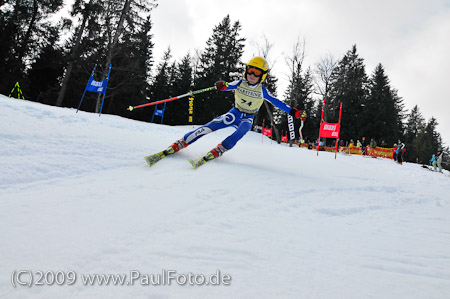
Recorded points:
259,63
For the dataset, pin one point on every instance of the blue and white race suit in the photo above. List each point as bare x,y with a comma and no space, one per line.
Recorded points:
248,100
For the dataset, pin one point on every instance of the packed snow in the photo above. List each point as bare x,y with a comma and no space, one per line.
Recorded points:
77,198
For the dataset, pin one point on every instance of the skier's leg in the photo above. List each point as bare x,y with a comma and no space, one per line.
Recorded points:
223,121
198,133
192,136
242,129
230,141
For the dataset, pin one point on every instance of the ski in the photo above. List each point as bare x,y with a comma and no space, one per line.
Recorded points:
196,163
152,159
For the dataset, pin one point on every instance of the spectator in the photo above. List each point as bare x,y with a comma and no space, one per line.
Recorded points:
400,150
394,151
433,161
373,145
352,143
350,146
363,146
358,144
438,160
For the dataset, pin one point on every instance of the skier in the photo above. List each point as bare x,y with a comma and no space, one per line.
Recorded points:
249,94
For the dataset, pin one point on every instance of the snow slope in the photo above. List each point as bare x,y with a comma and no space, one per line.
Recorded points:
77,195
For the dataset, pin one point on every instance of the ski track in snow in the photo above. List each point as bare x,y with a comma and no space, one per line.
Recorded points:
76,194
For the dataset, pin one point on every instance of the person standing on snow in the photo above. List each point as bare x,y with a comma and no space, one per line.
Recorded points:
373,145
433,161
400,151
394,152
363,146
438,160
249,94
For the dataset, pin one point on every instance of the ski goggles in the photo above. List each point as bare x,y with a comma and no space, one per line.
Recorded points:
254,71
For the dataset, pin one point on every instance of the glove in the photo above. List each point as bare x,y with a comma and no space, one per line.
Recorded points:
221,85
298,113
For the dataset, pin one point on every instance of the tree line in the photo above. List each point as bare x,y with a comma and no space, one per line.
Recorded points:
53,61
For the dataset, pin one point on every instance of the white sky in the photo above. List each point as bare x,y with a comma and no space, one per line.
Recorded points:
411,39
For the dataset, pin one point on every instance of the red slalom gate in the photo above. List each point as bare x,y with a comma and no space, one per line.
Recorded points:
329,130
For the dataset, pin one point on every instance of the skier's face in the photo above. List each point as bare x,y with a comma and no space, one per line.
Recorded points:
252,79
253,75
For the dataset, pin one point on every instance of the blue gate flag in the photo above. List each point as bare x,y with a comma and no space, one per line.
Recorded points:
97,86
159,112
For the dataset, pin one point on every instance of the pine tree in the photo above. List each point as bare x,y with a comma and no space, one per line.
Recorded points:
83,50
349,86
415,136
143,44
221,60
381,113
425,144
46,70
414,126
181,83
120,18
161,86
118,34
434,138
415,123
399,129
132,73
22,25
89,13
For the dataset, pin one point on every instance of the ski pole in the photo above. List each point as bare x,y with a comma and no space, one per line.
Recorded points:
131,108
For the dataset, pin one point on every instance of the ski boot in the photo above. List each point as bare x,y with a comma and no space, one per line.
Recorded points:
175,147
211,155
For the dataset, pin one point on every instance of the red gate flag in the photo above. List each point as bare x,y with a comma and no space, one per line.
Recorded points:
330,130
267,132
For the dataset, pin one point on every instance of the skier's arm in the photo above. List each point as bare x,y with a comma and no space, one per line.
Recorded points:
279,104
274,101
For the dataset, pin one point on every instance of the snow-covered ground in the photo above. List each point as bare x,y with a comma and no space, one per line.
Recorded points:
76,195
